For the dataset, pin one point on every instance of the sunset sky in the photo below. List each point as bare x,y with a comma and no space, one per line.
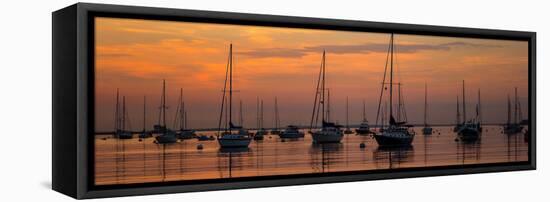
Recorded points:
135,55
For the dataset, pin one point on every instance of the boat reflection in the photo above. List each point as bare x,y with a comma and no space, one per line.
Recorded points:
392,156
230,159
322,156
468,151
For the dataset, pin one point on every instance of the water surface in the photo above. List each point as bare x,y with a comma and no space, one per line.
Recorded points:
134,161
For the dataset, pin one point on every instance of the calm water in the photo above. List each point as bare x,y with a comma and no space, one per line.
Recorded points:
134,161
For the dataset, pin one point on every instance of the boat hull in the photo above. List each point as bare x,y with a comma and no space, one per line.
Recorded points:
393,139
457,128
275,132
124,135
323,137
512,129
234,143
186,134
166,139
427,131
468,134
291,135
145,135
260,135
205,138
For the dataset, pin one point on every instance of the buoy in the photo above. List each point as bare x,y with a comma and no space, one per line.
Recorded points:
199,147
362,145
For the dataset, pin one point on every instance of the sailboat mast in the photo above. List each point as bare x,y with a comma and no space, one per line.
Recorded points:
262,114
117,113
516,105
457,111
328,105
364,116
123,113
385,113
257,112
347,112
391,77
509,111
520,116
182,110
240,112
323,89
223,108
398,102
230,83
479,105
276,114
164,103
144,112
463,103
425,104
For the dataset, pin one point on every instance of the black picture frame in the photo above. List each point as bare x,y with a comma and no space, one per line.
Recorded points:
73,93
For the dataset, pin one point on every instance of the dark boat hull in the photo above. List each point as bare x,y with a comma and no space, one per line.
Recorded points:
427,131
512,129
234,143
321,138
145,135
275,132
205,138
291,135
124,136
166,139
469,134
258,137
186,134
457,127
388,141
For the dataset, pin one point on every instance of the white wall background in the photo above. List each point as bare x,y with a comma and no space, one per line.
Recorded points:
25,99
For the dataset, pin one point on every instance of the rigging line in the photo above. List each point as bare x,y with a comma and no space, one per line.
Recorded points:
116,112
403,107
230,86
223,96
323,88
164,104
178,108
129,121
160,110
318,110
383,81
144,113
313,117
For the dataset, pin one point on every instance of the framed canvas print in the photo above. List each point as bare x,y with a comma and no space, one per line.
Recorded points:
153,100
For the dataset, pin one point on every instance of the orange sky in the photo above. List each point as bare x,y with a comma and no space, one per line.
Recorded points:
135,55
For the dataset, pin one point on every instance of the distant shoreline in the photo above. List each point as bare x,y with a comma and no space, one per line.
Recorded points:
303,127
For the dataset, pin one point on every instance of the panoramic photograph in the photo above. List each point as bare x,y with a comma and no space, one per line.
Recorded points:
187,101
